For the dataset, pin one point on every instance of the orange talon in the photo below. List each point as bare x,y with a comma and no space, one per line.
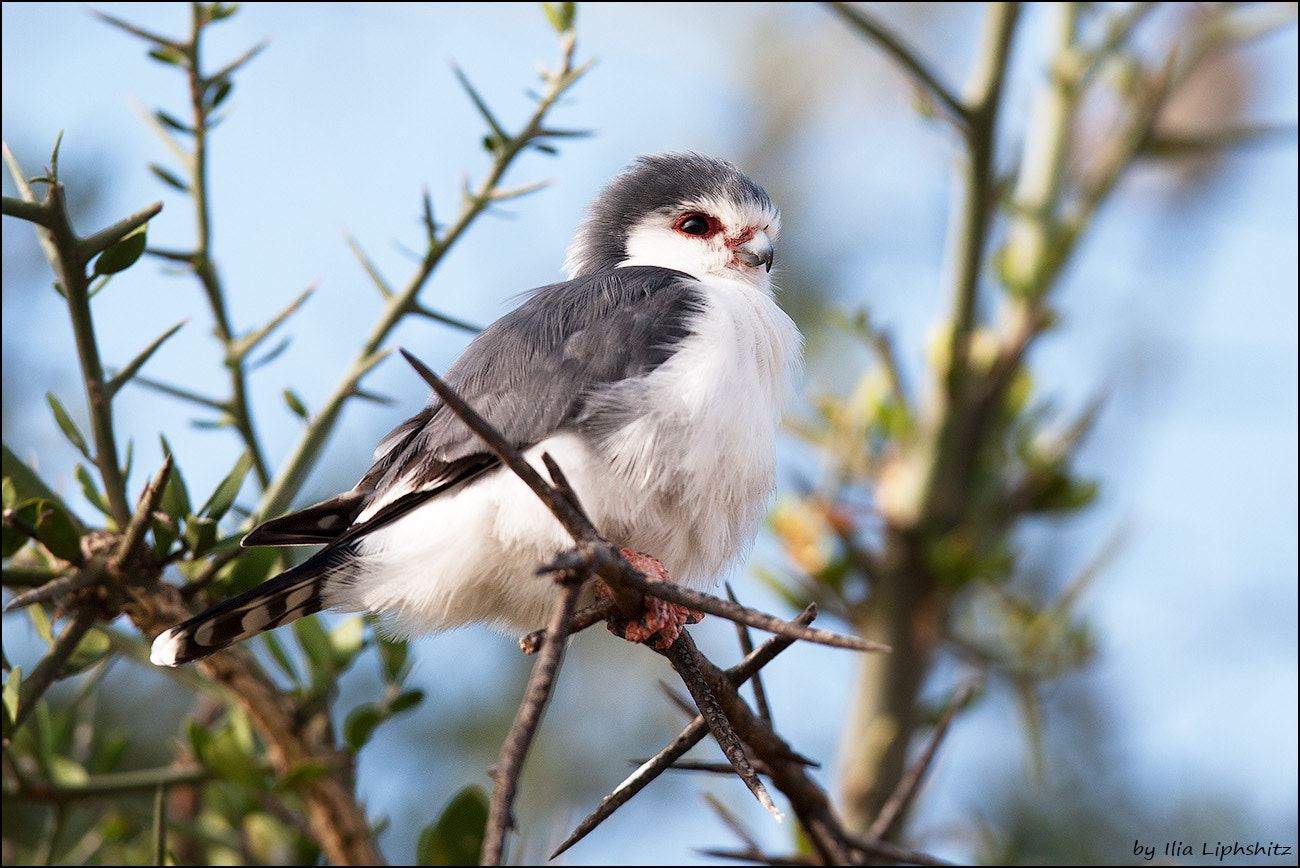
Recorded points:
660,621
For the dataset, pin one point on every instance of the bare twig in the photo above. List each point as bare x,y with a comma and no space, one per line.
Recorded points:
505,777
747,648
130,541
55,589
891,815
824,831
684,658
599,611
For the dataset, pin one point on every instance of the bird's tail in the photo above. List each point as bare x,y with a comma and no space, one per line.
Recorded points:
289,596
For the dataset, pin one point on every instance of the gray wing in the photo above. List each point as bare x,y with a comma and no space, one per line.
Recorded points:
529,374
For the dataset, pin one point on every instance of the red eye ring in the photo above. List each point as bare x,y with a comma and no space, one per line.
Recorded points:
696,225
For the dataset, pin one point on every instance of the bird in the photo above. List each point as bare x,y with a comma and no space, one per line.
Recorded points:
655,376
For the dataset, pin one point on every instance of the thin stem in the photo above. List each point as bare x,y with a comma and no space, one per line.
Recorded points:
50,667
205,268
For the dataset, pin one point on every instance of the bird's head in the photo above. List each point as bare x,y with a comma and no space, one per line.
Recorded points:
688,212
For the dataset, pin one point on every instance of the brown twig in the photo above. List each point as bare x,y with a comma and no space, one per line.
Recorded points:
887,821
685,659
599,611
747,648
505,777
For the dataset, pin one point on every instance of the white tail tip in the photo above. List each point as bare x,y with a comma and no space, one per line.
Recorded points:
165,648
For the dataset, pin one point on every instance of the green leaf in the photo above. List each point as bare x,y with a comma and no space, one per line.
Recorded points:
67,426
224,496
11,541
280,656
168,178
93,648
251,568
560,15
90,490
54,529
347,640
218,11
406,700
200,534
295,404
41,622
226,754
1060,493
10,696
123,254
165,535
170,56
456,837
220,91
176,497
360,725
23,481
393,653
315,644
169,121
303,773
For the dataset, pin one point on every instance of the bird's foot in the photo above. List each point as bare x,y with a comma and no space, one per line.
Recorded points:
661,622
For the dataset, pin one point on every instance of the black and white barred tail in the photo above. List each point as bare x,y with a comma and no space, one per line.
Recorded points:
287,597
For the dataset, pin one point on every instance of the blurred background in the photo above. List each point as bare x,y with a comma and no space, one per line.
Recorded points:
1180,311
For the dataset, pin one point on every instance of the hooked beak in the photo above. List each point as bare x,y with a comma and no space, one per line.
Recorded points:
756,250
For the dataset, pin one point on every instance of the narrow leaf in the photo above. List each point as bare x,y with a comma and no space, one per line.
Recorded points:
10,695
67,426
168,178
169,56
295,404
405,700
219,92
93,648
90,490
360,725
176,496
169,121
200,534
226,492
280,656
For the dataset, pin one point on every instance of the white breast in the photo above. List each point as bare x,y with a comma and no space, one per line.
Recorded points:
698,470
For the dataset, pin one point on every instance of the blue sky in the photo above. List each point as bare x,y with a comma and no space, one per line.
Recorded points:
1181,308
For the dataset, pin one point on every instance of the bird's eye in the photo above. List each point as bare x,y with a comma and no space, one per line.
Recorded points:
697,225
